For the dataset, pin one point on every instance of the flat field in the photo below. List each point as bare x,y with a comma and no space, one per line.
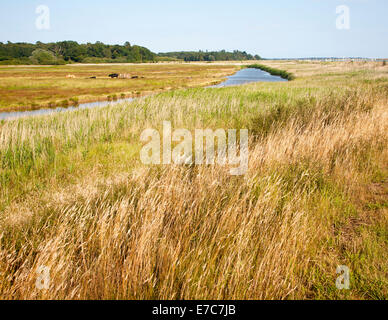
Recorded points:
35,87
75,197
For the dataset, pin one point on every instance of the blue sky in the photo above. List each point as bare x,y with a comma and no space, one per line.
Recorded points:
270,28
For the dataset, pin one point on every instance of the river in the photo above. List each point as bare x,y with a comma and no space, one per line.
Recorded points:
242,76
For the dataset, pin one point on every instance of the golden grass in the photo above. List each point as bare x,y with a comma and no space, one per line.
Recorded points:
76,198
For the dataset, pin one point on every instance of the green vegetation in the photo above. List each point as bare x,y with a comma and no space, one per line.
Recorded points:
44,57
273,71
70,51
209,56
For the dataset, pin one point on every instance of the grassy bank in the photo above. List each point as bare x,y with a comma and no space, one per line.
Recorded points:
273,71
75,197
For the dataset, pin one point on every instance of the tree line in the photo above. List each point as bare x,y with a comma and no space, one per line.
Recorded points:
210,56
70,51
64,52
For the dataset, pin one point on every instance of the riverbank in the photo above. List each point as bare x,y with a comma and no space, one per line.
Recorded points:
273,71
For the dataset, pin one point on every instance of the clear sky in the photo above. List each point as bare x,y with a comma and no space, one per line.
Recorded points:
270,28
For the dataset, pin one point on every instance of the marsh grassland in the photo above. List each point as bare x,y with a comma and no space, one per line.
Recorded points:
75,197
36,87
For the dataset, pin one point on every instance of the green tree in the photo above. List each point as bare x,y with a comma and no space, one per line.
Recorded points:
40,56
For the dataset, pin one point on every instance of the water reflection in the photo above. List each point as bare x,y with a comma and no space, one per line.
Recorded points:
248,75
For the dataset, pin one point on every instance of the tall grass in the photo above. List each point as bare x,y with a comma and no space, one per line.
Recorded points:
75,198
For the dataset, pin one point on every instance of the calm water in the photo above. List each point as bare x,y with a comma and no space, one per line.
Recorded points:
90,105
247,76
239,78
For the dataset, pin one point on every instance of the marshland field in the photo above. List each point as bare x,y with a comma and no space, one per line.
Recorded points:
75,197
34,87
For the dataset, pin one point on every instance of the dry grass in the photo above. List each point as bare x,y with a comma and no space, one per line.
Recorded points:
76,198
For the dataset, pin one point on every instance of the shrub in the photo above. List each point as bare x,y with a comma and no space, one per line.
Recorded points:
74,101
64,103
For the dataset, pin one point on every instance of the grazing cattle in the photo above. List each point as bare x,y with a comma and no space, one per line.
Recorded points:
135,77
70,76
125,76
93,78
114,75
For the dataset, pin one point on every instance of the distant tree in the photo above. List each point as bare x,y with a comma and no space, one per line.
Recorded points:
210,56
41,56
70,51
